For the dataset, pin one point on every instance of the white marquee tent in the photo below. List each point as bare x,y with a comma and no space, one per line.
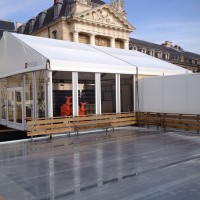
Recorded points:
18,49
31,69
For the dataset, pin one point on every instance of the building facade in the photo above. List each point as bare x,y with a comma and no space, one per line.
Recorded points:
97,23
90,22
168,52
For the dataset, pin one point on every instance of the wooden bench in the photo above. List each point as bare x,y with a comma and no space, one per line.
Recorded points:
51,126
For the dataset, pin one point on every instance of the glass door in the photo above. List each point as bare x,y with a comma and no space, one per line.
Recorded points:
15,107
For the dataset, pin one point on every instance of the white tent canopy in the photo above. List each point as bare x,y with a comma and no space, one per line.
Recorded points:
146,64
22,53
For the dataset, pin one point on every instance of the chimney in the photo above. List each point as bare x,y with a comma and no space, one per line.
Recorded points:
57,7
21,28
168,44
18,24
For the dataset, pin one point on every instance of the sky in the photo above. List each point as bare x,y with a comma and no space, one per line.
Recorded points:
155,21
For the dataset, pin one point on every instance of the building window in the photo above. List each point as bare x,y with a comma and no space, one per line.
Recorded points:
135,48
159,54
119,44
143,50
102,41
152,53
54,34
167,56
84,38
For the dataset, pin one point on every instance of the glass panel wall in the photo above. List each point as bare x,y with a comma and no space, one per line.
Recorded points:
29,94
126,85
108,93
62,93
10,105
86,93
18,105
14,88
3,98
40,94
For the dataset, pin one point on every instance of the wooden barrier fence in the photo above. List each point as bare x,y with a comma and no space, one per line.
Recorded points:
169,120
51,126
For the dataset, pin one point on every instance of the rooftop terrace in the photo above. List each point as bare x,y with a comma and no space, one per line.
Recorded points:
129,163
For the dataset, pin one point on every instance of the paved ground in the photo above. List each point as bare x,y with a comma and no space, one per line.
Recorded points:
130,164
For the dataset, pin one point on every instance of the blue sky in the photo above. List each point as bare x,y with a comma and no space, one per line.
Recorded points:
155,20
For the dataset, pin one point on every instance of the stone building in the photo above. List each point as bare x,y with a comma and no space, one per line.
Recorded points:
97,23
168,52
87,21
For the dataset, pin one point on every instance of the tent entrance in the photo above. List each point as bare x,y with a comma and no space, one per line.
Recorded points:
15,107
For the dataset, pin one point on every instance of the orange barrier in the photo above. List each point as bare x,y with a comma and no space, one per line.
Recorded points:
82,108
65,109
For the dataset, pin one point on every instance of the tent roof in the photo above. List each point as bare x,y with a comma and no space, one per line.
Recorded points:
34,52
146,64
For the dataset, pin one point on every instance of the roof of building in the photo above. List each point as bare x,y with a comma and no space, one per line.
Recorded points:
6,26
50,15
173,51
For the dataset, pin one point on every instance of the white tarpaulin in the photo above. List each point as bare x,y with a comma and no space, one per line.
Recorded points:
22,53
147,65
170,94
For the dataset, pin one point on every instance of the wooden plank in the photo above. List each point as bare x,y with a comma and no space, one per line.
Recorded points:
189,122
181,126
71,119
40,122
51,131
123,123
124,119
48,126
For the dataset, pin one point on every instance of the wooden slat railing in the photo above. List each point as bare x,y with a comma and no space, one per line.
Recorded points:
51,126
169,120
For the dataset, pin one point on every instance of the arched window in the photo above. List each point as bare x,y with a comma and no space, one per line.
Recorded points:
143,50
152,52
167,56
159,54
54,34
135,48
